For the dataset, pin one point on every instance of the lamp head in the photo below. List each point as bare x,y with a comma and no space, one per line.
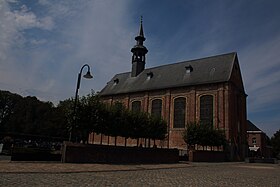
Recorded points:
88,75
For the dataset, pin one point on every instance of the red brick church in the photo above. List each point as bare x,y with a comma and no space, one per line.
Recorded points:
208,90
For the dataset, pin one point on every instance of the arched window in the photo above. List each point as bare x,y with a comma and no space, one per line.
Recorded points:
156,107
206,110
179,112
136,106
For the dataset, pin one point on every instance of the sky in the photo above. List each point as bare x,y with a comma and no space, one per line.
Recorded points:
44,44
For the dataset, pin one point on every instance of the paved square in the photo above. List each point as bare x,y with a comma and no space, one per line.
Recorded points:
182,174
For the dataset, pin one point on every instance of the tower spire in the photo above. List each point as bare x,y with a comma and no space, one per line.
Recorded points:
139,51
141,33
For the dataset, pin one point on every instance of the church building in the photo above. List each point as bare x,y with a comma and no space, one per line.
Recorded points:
208,90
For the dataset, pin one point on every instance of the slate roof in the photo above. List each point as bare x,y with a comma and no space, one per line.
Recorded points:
252,127
206,70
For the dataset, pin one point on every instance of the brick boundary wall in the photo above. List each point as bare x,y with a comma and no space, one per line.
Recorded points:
91,153
207,156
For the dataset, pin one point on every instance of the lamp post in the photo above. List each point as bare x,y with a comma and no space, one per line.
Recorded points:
87,76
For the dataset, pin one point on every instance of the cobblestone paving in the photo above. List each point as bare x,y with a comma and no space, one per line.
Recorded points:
184,174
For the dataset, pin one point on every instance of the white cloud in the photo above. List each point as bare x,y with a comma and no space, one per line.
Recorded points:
99,38
38,42
14,23
25,19
77,33
7,29
18,66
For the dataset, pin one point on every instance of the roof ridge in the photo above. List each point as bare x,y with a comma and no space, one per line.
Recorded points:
156,67
214,56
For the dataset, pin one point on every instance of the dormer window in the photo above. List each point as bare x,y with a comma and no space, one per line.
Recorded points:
116,81
189,69
150,75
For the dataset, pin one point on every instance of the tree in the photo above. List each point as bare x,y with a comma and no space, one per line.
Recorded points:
192,135
118,118
203,135
66,111
57,124
126,128
28,117
8,102
139,126
89,110
90,116
119,121
157,128
275,142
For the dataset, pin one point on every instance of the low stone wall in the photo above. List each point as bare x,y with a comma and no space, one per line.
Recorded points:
262,160
34,154
90,153
207,156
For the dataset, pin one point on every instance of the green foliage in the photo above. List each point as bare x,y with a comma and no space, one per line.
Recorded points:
8,102
139,123
117,119
157,128
27,116
30,116
120,121
203,135
65,108
275,142
89,111
192,135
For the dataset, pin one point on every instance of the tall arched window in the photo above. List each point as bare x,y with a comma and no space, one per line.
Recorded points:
179,112
136,106
156,107
206,110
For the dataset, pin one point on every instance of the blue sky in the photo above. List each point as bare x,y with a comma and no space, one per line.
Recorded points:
44,43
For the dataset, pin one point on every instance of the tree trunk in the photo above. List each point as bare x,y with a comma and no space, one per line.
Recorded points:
125,141
137,142
115,140
101,140
108,140
145,142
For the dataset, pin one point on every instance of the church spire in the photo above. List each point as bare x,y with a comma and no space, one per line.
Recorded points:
139,51
141,32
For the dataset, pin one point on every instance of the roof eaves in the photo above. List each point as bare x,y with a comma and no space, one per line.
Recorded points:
232,65
254,131
160,88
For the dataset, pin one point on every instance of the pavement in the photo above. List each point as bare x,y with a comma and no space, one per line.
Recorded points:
179,174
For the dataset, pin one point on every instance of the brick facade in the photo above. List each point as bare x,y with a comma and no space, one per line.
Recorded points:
257,142
229,114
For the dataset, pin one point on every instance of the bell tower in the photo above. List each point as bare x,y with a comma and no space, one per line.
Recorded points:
138,53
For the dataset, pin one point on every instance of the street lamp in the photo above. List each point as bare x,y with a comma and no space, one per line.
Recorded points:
87,76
